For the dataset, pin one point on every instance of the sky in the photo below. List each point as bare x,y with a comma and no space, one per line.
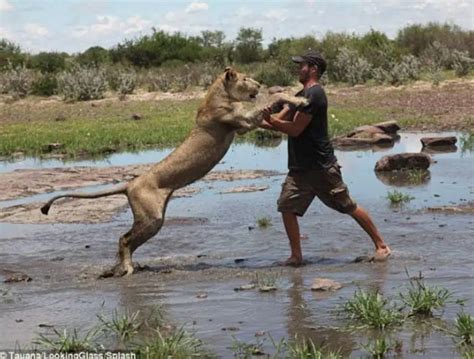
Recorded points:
76,25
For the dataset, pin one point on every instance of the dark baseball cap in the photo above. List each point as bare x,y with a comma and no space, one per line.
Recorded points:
312,58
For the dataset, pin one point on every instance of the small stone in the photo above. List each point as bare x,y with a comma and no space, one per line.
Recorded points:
322,284
18,277
201,295
87,246
19,320
239,260
260,333
230,329
436,195
136,116
42,325
267,288
251,228
245,287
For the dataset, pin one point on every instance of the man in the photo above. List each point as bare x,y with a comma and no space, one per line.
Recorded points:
313,167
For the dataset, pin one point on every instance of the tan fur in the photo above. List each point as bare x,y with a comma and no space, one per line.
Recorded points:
220,116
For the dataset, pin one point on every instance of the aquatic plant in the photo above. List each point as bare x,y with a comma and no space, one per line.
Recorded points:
464,329
243,350
125,325
397,198
266,281
308,349
417,176
379,347
423,300
264,222
69,341
178,344
467,142
372,310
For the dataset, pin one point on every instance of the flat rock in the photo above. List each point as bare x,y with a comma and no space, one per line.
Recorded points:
324,285
438,141
244,189
391,127
403,161
364,139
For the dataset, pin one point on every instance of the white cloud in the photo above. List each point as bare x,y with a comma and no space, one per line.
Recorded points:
5,33
170,16
109,25
35,30
5,6
196,6
276,15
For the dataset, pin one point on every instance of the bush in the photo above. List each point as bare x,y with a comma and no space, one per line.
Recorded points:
350,67
124,81
45,85
398,73
47,62
461,63
17,81
437,55
272,74
82,83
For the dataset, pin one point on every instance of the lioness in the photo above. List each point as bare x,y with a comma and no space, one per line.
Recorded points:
218,119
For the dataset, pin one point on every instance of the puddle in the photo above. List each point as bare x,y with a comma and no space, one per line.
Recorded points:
199,255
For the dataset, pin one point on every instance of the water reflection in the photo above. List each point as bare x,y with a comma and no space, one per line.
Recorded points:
300,321
404,178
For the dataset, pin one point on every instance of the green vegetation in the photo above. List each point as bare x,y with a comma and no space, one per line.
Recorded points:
417,176
464,329
107,128
396,198
423,300
267,281
380,347
69,341
467,142
371,309
264,222
308,349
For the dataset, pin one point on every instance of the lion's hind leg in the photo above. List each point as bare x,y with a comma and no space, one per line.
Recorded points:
148,209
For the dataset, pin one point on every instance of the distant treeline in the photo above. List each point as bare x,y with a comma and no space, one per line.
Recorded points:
351,58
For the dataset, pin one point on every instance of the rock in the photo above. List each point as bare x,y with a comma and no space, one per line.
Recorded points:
364,139
136,116
402,178
322,284
60,118
364,259
369,129
438,141
50,147
239,260
201,295
16,277
403,161
275,89
267,288
230,329
388,126
245,287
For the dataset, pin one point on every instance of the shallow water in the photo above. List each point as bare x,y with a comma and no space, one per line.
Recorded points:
202,253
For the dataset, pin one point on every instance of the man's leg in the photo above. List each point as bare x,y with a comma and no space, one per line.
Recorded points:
292,228
382,251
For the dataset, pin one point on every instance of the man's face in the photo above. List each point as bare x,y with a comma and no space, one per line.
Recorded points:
304,71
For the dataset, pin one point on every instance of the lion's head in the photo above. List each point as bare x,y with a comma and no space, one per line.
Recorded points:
239,86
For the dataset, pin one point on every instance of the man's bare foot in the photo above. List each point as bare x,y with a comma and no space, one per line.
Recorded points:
293,262
382,254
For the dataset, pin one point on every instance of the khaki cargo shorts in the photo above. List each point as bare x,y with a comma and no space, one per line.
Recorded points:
301,186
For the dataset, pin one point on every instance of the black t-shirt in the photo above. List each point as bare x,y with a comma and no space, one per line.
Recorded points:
312,148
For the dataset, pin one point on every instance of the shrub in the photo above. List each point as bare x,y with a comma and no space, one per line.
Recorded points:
158,81
350,67
461,63
272,74
50,62
82,83
45,85
398,73
17,81
124,81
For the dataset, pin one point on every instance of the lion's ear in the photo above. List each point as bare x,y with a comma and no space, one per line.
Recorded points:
230,74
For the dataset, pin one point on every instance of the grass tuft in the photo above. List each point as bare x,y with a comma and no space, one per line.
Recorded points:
464,329
397,198
264,222
371,309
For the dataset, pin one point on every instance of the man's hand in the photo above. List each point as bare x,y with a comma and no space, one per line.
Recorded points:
266,114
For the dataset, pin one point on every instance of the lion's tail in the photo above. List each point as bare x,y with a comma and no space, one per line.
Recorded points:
121,189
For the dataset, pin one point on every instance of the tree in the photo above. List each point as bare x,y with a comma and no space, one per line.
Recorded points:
94,56
10,53
248,45
47,62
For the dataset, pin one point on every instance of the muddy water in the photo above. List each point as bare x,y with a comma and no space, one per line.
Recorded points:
204,235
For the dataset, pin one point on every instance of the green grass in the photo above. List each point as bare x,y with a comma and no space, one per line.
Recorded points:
423,300
464,329
371,309
380,347
396,197
267,281
417,176
93,132
466,142
69,341
264,222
